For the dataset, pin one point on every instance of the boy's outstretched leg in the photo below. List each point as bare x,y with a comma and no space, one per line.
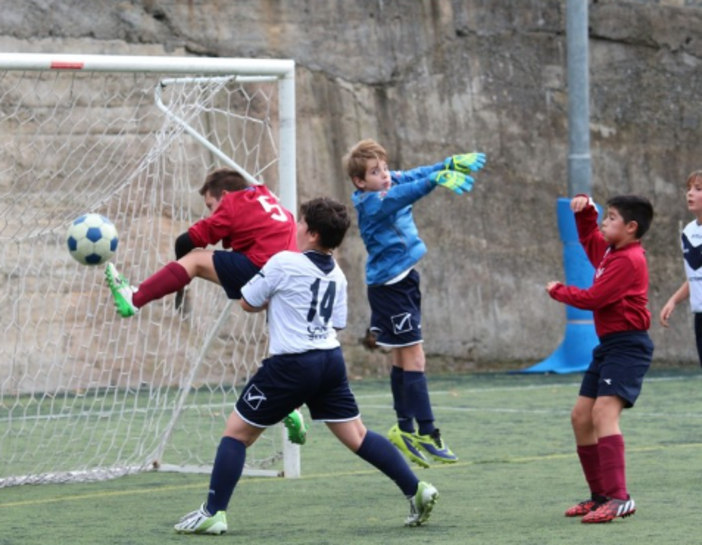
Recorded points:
170,279
379,452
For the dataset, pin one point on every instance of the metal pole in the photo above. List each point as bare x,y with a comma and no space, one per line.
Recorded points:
579,160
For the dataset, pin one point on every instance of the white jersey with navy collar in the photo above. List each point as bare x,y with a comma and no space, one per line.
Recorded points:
692,253
306,294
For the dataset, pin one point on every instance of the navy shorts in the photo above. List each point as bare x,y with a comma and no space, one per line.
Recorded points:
396,312
234,270
284,383
698,335
618,366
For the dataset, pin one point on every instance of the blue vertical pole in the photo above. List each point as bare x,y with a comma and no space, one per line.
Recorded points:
574,353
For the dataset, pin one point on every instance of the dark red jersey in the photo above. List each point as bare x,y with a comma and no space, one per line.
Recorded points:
251,221
619,294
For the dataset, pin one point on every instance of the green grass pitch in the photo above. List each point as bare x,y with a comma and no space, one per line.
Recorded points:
517,473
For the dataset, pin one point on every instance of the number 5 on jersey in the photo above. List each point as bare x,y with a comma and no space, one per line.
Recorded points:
274,209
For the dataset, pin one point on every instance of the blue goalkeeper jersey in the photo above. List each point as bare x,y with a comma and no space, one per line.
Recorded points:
387,226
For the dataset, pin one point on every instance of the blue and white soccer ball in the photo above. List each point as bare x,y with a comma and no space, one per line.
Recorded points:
92,239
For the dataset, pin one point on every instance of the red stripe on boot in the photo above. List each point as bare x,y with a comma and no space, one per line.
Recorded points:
612,466
169,279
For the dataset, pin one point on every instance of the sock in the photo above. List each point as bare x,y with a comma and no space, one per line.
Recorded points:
417,401
405,420
612,466
590,462
228,466
169,279
379,452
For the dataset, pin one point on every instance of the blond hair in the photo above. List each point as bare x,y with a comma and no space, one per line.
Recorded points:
356,161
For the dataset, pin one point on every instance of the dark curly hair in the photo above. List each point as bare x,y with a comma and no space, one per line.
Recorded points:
327,218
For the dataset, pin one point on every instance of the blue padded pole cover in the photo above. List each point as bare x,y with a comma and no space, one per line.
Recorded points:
575,351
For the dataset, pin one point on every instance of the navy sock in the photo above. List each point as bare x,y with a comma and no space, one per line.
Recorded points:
405,420
228,465
379,452
417,400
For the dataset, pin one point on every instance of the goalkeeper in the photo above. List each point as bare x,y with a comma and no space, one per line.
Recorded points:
383,201
249,221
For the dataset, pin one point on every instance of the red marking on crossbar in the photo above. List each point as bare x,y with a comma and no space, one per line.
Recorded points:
59,65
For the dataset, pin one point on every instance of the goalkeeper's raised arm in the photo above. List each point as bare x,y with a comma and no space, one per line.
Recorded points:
466,163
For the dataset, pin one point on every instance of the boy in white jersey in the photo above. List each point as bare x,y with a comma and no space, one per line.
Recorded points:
692,255
305,295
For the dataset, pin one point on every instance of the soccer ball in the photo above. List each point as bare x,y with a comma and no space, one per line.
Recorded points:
92,239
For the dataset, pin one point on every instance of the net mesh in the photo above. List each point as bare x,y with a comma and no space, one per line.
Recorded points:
85,394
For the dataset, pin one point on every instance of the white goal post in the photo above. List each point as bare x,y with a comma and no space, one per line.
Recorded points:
84,394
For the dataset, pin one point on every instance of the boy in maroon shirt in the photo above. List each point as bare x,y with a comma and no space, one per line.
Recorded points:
618,299
249,222
247,219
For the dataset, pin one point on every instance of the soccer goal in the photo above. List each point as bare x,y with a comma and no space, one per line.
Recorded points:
84,394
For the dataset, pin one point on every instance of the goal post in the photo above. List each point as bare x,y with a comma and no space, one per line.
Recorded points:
84,394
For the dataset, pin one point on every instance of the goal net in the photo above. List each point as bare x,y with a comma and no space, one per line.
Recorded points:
84,394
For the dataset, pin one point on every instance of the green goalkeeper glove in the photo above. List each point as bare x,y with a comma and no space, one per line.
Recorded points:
466,163
455,181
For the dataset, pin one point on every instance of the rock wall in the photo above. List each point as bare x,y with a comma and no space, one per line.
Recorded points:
433,78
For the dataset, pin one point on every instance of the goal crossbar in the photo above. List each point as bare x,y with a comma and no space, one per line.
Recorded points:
254,69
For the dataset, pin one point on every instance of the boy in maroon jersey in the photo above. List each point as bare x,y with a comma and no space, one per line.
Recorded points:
248,219
618,299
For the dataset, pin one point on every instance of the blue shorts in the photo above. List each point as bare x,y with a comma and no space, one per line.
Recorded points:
396,312
286,382
234,270
618,366
698,335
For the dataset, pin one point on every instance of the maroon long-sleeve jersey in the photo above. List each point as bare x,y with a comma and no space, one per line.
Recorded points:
618,296
251,221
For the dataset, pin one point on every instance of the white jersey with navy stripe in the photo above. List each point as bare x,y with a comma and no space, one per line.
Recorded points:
692,252
306,294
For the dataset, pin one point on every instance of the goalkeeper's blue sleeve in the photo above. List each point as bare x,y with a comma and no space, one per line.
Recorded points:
386,203
415,174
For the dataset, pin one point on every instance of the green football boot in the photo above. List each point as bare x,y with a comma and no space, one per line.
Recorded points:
296,426
201,522
122,292
408,445
421,504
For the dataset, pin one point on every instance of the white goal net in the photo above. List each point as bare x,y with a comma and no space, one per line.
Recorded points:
84,394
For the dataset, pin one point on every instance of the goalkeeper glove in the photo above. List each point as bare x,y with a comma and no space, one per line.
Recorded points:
455,181
466,163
